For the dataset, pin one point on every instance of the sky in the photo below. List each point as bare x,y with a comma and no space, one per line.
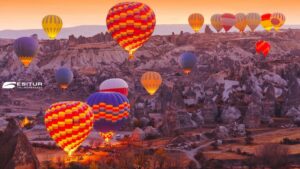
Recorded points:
27,14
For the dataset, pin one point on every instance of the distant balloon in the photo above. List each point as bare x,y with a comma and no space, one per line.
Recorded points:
253,20
278,20
241,21
64,77
263,47
131,24
69,124
187,61
228,21
196,21
216,22
151,81
266,21
52,25
26,48
111,112
114,85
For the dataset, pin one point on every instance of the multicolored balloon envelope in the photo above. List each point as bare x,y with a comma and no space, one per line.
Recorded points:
187,61
26,48
196,21
114,85
263,47
111,111
52,25
253,20
241,22
131,24
151,81
266,21
69,124
277,19
64,77
228,21
216,22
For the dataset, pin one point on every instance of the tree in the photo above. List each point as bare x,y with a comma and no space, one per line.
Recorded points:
274,156
249,139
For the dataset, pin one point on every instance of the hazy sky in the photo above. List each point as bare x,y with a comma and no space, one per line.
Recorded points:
24,14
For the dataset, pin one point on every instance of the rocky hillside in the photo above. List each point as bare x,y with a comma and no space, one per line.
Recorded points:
231,83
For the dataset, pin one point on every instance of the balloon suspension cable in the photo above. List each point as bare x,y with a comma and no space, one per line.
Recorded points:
131,54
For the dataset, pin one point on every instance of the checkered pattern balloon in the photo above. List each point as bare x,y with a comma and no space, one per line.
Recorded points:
131,24
69,124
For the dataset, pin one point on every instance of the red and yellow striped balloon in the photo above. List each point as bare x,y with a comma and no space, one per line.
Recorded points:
131,24
69,124
266,22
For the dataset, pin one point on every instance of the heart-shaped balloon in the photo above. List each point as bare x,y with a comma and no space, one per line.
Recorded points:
69,124
263,47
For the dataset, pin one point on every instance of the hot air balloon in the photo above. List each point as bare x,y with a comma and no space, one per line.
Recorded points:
196,21
52,25
187,61
227,21
263,47
241,21
266,21
151,81
253,20
114,85
64,77
111,112
131,24
216,22
26,48
277,19
69,124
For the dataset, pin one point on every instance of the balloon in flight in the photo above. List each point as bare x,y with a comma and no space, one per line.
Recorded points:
228,20
64,77
263,47
278,20
69,124
187,61
52,25
151,81
111,111
196,21
253,20
241,22
131,24
26,48
216,22
266,21
114,85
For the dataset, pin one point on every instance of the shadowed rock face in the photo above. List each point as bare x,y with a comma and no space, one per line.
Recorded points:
15,149
228,73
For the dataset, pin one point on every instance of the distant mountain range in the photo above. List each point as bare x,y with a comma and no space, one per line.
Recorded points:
91,30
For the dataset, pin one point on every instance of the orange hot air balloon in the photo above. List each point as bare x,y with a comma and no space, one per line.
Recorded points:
69,124
253,20
151,81
196,21
131,24
263,47
266,21
277,20
216,22
241,21
227,21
